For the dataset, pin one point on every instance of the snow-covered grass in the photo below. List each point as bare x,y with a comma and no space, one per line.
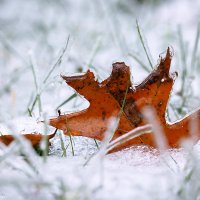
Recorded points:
39,40
134,173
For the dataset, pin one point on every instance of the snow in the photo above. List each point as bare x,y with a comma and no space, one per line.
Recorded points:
133,173
101,32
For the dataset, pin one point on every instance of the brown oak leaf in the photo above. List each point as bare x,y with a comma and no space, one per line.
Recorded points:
106,100
34,138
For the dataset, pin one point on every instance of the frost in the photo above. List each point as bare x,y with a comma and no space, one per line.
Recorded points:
43,27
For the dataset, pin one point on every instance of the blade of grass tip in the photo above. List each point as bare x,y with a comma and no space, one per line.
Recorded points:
30,113
58,62
184,69
143,44
183,53
32,65
67,100
139,62
94,52
195,48
33,104
28,110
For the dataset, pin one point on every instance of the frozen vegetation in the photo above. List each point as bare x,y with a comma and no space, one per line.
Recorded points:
39,40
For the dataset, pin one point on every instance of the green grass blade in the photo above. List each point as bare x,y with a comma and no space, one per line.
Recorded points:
143,44
67,100
58,61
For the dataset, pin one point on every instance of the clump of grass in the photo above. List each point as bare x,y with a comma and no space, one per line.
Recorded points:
44,82
188,71
38,98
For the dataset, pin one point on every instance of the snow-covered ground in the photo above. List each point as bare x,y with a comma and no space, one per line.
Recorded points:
133,173
33,37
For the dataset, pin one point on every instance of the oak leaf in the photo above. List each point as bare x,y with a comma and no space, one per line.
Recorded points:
106,100
34,138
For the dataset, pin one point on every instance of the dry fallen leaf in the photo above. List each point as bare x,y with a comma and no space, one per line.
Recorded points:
34,138
106,100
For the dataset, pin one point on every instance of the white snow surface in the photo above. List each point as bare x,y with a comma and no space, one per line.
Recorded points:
101,32
133,173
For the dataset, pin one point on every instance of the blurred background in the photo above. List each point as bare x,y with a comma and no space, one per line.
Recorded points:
39,40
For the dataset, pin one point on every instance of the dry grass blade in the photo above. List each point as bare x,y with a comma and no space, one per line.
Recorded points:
128,136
